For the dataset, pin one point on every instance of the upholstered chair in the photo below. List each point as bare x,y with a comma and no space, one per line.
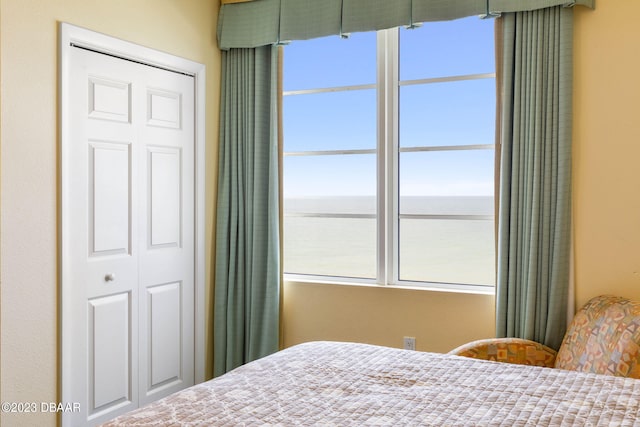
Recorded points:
603,338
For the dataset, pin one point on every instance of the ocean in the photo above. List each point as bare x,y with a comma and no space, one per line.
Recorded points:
429,250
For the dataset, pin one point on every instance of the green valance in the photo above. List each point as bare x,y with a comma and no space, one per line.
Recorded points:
263,22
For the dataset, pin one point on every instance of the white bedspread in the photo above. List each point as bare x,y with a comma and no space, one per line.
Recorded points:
345,384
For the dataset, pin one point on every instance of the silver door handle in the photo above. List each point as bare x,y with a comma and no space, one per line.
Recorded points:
110,277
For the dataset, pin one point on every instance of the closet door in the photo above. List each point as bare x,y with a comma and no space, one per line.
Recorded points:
166,239
130,183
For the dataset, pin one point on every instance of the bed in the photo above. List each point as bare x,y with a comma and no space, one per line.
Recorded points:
349,384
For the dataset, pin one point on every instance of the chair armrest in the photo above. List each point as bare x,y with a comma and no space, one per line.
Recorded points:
508,350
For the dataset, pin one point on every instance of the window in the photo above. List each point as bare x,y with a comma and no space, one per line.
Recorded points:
389,156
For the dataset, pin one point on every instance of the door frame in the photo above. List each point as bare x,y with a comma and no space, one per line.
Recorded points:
73,35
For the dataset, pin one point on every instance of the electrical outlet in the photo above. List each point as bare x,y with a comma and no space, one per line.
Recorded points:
409,343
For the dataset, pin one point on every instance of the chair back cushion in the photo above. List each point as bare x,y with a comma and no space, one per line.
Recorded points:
603,338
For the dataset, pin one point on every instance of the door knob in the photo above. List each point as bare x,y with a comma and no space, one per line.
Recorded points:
110,277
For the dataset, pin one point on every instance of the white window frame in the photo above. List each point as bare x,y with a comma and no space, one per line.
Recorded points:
387,172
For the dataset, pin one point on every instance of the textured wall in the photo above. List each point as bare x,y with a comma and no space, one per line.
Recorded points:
607,150
29,143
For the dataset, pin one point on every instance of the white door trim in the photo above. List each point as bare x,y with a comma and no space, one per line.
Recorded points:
70,34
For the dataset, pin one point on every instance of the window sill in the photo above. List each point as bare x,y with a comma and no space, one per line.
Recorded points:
406,285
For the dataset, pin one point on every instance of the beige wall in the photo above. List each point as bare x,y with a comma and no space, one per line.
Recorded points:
439,321
606,211
607,150
28,54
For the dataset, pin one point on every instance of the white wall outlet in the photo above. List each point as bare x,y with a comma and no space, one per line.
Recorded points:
409,343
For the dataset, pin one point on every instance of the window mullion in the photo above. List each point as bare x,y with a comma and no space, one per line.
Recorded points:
393,161
387,207
381,214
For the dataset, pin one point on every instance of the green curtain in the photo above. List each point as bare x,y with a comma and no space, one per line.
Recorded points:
262,22
535,191
247,277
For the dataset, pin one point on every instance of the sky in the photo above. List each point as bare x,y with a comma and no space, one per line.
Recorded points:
440,114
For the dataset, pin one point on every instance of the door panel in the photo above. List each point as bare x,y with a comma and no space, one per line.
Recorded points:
164,108
109,99
165,187
110,197
165,335
102,234
167,243
109,349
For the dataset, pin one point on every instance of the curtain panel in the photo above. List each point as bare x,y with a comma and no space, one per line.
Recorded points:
535,189
262,22
247,275
535,159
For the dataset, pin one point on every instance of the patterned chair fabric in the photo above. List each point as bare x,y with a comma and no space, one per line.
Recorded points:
603,338
509,350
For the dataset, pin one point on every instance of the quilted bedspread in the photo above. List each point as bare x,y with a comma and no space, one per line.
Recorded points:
346,384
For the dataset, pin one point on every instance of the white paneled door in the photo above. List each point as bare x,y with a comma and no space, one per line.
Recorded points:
129,186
